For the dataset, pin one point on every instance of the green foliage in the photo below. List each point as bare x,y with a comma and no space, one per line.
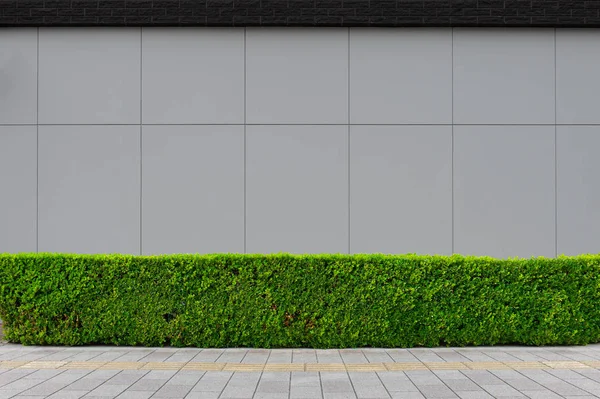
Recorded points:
318,301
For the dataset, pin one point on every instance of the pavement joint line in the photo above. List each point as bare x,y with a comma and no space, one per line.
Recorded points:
289,367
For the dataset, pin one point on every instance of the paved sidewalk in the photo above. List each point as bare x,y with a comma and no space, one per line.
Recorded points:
104,372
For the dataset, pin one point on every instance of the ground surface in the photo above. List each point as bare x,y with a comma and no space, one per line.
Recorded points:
142,373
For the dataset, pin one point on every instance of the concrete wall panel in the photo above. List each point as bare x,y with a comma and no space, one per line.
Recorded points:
18,76
401,76
401,189
18,188
504,191
89,189
297,189
297,76
578,189
193,189
503,76
577,77
193,75
89,76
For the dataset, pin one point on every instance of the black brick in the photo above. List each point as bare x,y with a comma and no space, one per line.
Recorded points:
329,21
16,12
58,21
8,21
50,12
30,3
57,3
138,21
551,13
84,21
98,12
8,4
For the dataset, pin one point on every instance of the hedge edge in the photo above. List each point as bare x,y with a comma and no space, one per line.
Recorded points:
283,300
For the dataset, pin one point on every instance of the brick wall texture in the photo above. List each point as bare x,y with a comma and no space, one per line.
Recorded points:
391,13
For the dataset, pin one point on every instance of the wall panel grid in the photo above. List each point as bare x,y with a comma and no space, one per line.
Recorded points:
162,140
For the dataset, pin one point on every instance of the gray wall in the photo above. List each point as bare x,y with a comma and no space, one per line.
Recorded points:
164,140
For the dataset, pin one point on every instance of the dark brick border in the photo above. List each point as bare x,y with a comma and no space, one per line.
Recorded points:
389,13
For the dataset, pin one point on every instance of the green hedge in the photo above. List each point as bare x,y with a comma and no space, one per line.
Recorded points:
319,301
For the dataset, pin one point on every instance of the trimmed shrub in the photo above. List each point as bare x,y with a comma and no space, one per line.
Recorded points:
317,301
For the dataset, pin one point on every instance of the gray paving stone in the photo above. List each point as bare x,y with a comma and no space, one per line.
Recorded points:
541,394
368,385
238,391
482,377
377,356
148,384
184,355
108,390
208,355
306,392
8,394
156,357
565,389
102,374
329,356
173,391
270,395
436,391
524,384
353,356
505,374
275,376
280,356
445,375
273,387
256,356
425,355
339,395
397,381
62,394
22,385
160,374
233,356
186,377
304,356
45,389
592,374
305,378
135,395
502,391
463,384
587,385
330,386
85,384
566,374
474,395
70,376
127,377
407,395
203,395
213,382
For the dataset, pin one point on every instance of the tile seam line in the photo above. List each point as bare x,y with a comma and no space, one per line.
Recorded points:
37,148
245,243
348,151
301,124
141,137
555,154
452,141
